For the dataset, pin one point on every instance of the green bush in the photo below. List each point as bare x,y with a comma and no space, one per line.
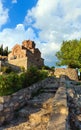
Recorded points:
23,79
7,69
12,82
46,67
22,69
43,74
3,69
32,75
9,84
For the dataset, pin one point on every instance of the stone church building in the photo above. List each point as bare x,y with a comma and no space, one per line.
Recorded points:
25,55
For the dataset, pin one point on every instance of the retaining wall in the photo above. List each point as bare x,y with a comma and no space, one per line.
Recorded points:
10,104
59,116
71,73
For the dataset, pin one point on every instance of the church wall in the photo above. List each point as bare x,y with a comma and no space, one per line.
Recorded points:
19,62
25,55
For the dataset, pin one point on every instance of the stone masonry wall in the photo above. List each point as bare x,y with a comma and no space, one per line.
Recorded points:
19,62
59,116
9,104
32,61
26,62
25,55
71,73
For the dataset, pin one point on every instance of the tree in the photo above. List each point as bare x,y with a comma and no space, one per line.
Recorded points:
70,54
1,49
5,51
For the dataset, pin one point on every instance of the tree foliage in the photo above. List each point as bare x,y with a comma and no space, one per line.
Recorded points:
70,54
3,51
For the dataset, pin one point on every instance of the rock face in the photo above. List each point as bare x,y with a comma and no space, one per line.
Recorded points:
25,55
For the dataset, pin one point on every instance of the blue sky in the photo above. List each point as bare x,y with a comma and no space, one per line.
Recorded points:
46,22
17,11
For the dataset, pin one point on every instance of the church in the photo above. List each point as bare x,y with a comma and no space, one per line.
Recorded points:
26,55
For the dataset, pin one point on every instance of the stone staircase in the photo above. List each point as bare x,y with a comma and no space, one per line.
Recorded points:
56,106
35,115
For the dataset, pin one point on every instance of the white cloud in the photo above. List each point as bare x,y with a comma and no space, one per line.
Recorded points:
54,20
48,52
3,14
14,1
57,20
9,37
55,15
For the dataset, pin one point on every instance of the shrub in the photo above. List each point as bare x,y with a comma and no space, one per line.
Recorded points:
9,84
23,79
22,69
46,67
32,75
12,82
7,69
3,69
43,74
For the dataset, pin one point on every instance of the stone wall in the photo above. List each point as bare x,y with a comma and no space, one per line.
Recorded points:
9,104
19,62
59,116
25,62
32,60
6,64
71,73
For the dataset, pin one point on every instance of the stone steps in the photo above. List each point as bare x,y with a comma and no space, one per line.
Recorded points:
35,105
27,110
38,110
49,111
38,102
50,88
35,115
49,91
